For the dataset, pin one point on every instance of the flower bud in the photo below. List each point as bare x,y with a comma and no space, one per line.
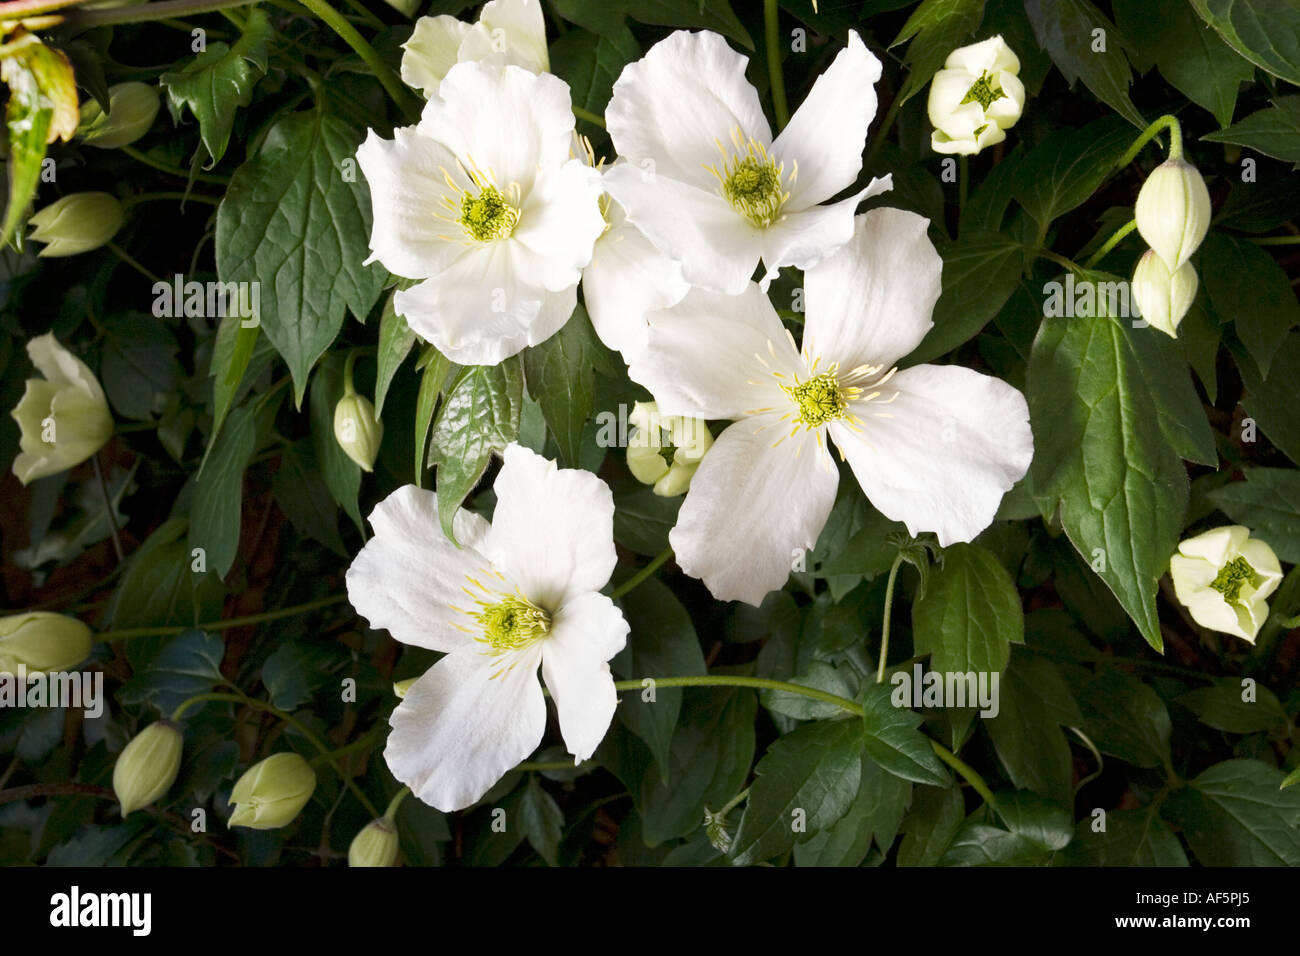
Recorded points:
1223,576
716,829
132,108
77,223
357,430
1173,211
375,845
975,98
272,792
1163,299
671,465
147,766
63,418
42,641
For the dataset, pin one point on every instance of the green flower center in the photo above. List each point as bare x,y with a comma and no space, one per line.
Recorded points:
1231,577
512,624
751,182
487,216
982,92
820,400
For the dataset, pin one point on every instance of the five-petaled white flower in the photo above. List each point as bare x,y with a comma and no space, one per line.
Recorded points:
507,31
484,202
519,593
975,98
705,181
1223,577
933,446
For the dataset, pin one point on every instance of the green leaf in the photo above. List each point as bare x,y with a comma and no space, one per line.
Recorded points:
606,18
479,416
936,816
1125,718
1223,706
892,740
590,68
342,475
561,378
808,779
434,367
1271,403
217,509
219,81
662,643
969,615
1234,814
875,814
820,676
1267,502
1067,167
303,496
1273,131
980,271
542,820
978,844
1266,32
1131,838
1103,458
1065,29
189,664
139,365
296,669
642,519
160,587
293,222
936,28
395,340
1034,703
237,347
1249,288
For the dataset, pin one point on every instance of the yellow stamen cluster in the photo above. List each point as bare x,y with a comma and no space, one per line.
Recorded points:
484,212
751,180
504,621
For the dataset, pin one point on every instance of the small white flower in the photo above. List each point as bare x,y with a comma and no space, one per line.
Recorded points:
520,593
975,98
1223,576
933,446
507,31
483,201
703,177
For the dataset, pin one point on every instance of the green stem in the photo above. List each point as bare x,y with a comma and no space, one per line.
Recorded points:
594,118
170,170
641,575
1068,264
390,81
966,770
1275,240
538,765
771,13
1116,237
227,624
759,683
292,722
884,626
82,19
135,200
1175,140
122,254
733,803
391,813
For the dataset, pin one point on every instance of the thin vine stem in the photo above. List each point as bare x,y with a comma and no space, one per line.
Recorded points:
758,683
640,577
1116,237
772,30
141,157
1168,121
224,625
884,624
584,114
967,772
143,13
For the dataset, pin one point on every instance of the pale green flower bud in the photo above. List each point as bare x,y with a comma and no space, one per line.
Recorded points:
77,223
63,417
717,831
671,465
402,686
1163,299
42,641
272,792
1223,576
132,108
1173,211
147,766
357,430
375,845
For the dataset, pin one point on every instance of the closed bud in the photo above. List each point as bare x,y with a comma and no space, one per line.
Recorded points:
665,450
272,792
77,223
1173,211
63,418
357,430
42,641
375,845
1162,298
147,766
132,108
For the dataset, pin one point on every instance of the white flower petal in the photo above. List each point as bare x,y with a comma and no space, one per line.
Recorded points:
870,302
586,633
717,248
704,357
408,577
1218,545
674,105
559,223
553,529
431,52
61,367
956,442
1264,561
522,34
803,239
991,55
752,503
464,724
828,131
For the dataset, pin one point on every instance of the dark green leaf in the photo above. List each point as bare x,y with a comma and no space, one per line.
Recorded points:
1248,287
969,615
1130,838
892,740
189,664
1126,718
1068,30
395,340
1228,705
1234,814
1266,32
216,513
560,377
1066,168
936,28
875,813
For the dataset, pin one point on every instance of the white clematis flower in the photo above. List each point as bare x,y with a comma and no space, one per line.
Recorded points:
975,98
1223,576
706,182
520,593
933,446
483,201
507,31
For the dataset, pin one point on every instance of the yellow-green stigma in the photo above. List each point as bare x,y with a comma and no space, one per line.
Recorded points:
751,182
1231,577
488,215
820,399
982,92
512,624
